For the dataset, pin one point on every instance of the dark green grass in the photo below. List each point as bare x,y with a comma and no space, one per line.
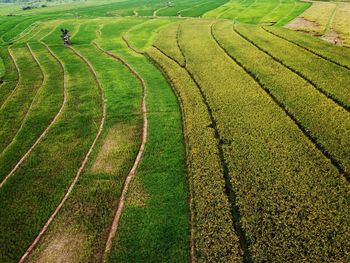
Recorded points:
16,106
158,229
45,106
9,76
32,193
90,208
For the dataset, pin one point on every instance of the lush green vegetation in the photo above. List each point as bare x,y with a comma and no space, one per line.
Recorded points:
174,131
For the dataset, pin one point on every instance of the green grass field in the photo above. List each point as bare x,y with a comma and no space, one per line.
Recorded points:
175,131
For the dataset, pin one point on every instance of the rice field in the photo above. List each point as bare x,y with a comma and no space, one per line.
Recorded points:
180,131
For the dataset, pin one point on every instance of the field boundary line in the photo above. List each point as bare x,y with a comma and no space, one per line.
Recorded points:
304,130
185,137
25,32
18,78
313,84
230,192
287,15
308,49
132,172
25,156
34,98
271,12
81,168
331,19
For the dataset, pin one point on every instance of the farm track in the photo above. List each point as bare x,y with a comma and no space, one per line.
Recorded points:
328,95
25,156
304,130
183,116
18,74
309,50
132,172
230,192
81,168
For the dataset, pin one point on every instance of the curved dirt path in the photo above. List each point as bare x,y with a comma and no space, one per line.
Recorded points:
132,172
25,156
81,168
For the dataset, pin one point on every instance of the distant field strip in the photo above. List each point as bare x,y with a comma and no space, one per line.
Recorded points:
302,62
259,11
339,55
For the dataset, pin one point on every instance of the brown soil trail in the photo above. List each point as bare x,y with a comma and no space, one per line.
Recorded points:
132,172
81,168
25,156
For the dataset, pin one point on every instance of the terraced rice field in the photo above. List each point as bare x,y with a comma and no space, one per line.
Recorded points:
186,131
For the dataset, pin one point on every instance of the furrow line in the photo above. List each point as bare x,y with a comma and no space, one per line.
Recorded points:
304,130
230,191
328,95
25,156
132,172
183,116
18,80
35,96
81,168
308,49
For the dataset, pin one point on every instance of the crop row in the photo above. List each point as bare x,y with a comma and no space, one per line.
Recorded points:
303,62
339,55
31,195
10,78
148,229
20,101
43,111
214,239
324,121
288,193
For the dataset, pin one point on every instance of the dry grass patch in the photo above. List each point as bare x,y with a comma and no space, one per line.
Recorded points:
137,195
112,152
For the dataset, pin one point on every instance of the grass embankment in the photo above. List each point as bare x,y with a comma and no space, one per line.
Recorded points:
33,192
213,238
154,225
10,75
82,226
254,12
45,106
303,62
17,104
289,195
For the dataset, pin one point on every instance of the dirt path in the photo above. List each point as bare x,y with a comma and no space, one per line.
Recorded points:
132,172
70,189
25,156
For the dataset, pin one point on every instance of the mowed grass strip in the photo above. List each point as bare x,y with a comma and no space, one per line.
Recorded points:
324,121
304,63
81,233
154,225
10,77
289,195
44,108
17,104
213,239
340,55
33,192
